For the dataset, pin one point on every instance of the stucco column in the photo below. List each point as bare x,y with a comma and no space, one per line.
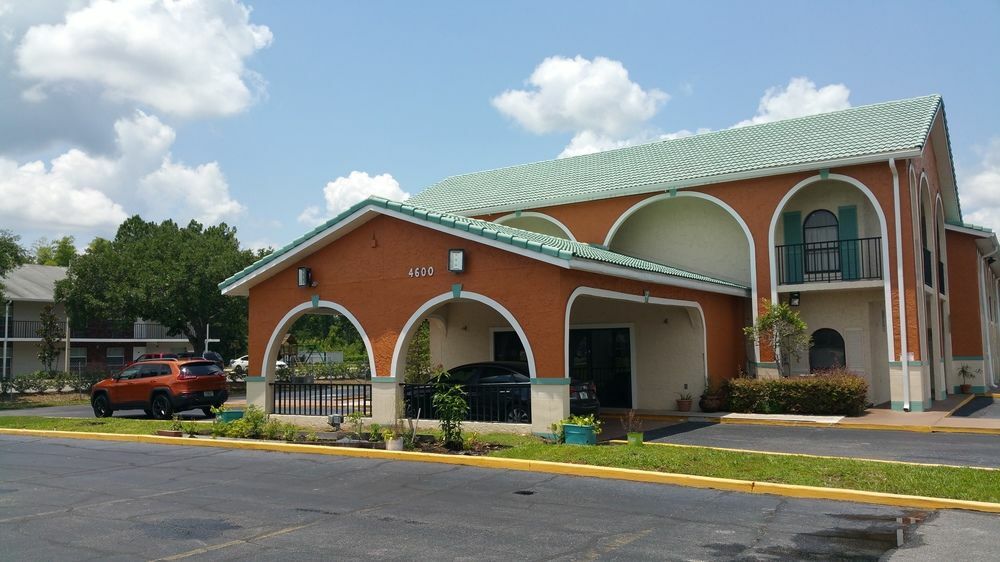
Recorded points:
259,393
549,403
386,394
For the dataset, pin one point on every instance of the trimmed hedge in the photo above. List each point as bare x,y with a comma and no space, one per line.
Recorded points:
839,394
43,381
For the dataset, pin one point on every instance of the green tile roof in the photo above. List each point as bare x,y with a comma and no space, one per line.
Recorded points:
851,133
533,241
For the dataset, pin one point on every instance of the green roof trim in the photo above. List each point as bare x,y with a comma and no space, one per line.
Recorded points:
971,226
864,131
540,243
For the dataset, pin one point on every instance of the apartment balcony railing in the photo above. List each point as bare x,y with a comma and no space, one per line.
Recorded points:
136,331
21,328
824,262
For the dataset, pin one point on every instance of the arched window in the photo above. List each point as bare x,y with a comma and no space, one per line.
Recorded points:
820,233
827,351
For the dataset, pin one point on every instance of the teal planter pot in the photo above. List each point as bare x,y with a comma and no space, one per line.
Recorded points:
579,434
230,415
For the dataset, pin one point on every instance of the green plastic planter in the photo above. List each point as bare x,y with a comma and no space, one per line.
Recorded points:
579,434
230,415
635,439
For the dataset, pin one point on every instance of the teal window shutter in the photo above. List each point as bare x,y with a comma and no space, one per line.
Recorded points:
794,255
850,246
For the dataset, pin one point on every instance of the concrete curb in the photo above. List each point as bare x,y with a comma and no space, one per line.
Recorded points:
745,486
782,453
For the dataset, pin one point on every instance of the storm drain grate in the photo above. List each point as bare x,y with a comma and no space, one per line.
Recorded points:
525,492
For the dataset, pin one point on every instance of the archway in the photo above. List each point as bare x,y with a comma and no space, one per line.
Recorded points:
537,222
315,391
827,351
477,343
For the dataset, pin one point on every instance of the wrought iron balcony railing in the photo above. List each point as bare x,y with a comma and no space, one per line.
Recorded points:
824,262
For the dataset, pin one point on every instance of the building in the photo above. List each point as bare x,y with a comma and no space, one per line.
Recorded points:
638,267
99,346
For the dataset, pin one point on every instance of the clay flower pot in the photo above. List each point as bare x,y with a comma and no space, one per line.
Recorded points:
683,405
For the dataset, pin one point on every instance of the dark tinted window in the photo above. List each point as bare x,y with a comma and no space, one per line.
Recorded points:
199,369
129,373
462,375
150,370
827,351
498,375
213,356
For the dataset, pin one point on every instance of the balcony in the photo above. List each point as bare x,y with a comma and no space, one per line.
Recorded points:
21,328
123,331
858,259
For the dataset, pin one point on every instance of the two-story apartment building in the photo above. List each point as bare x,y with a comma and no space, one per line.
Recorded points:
102,346
637,268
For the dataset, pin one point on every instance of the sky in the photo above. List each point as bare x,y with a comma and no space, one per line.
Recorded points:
275,115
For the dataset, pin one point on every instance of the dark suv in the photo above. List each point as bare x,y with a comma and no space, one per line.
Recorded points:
497,391
161,388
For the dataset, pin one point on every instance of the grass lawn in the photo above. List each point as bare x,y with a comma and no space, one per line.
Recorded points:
19,401
933,481
96,425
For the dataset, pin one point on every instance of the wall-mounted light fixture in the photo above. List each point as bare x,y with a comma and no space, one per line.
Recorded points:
794,299
456,260
305,277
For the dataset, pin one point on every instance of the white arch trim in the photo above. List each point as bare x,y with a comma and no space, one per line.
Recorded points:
274,343
891,336
725,206
616,295
397,353
537,215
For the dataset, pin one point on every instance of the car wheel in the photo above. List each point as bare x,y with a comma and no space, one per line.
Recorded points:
162,408
208,412
102,407
518,414
239,370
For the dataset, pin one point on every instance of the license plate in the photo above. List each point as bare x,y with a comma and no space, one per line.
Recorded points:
209,393
583,396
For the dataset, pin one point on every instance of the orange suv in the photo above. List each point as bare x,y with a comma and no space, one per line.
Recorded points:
161,388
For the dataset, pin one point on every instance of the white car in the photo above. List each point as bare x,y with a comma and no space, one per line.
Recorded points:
241,364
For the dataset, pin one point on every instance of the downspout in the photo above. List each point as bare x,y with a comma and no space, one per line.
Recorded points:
903,354
984,311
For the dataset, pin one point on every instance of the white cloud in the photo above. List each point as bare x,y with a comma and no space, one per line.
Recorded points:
980,190
82,191
343,192
580,95
184,57
799,98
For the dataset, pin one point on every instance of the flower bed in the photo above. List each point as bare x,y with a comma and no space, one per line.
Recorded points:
840,393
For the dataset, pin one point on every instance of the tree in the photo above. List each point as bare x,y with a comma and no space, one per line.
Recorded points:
61,252
780,328
51,333
12,256
162,273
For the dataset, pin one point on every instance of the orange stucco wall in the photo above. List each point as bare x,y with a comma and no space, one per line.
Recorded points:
966,323
366,271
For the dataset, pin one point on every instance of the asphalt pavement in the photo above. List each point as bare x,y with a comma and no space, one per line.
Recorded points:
90,500
960,449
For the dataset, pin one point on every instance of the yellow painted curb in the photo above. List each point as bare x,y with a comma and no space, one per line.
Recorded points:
784,423
745,486
967,399
782,453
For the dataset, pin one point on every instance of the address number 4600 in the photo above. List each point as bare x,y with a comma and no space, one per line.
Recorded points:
421,271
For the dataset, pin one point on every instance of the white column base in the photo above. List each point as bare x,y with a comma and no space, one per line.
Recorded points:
549,404
259,393
385,395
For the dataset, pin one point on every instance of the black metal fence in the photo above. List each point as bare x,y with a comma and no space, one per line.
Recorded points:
321,399
502,403
838,260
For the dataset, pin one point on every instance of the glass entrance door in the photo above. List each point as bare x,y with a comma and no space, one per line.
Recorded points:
603,356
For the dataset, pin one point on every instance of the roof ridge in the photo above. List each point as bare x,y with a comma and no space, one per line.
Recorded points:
688,138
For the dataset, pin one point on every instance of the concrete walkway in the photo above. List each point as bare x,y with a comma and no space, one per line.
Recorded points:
938,419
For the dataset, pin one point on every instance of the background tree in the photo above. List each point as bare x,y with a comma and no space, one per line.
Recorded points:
61,252
51,333
12,256
162,273
781,329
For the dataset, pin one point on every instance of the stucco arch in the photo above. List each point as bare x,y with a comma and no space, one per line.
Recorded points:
883,229
274,342
623,218
558,225
403,341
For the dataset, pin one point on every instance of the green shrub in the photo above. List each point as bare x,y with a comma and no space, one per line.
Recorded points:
449,402
828,394
83,381
39,382
21,384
